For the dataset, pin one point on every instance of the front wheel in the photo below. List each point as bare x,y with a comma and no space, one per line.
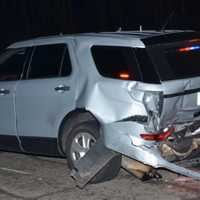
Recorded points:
79,141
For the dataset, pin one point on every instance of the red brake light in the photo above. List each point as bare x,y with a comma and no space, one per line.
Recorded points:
158,137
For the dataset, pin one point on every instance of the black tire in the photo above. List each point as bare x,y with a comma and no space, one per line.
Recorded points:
110,171
70,124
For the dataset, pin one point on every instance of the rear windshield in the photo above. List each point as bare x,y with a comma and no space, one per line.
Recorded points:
176,61
184,62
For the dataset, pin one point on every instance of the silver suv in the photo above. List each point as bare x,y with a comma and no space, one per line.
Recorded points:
138,93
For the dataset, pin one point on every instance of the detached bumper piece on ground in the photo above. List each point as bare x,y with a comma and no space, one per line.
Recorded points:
93,163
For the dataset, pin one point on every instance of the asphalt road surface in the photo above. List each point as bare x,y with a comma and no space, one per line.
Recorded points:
39,178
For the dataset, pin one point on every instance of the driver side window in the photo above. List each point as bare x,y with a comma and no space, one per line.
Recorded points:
11,64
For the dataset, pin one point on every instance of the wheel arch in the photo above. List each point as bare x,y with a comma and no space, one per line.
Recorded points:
82,115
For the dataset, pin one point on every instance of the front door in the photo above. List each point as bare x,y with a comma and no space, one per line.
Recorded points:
11,67
44,98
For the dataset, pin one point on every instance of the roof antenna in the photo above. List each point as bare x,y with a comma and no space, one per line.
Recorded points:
119,29
141,28
168,20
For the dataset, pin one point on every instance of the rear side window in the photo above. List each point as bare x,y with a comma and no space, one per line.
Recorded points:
11,64
116,62
49,61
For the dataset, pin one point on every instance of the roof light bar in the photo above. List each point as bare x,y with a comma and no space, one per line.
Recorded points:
195,40
192,48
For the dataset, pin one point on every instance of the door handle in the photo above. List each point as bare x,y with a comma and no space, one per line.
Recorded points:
4,92
62,88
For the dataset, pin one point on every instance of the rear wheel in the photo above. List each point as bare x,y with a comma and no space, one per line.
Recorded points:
79,141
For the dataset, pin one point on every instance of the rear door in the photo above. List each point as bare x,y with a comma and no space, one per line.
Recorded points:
44,98
12,63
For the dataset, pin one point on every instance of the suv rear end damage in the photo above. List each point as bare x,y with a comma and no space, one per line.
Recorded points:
155,120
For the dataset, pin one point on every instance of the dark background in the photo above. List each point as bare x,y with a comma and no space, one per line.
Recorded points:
22,19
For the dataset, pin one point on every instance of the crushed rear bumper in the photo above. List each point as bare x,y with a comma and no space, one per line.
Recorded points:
123,137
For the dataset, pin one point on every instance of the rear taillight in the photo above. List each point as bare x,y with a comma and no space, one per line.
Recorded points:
158,137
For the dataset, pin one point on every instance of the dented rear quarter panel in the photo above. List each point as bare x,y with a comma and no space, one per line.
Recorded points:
108,99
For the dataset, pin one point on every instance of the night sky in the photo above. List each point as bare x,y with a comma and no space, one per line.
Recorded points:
22,19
